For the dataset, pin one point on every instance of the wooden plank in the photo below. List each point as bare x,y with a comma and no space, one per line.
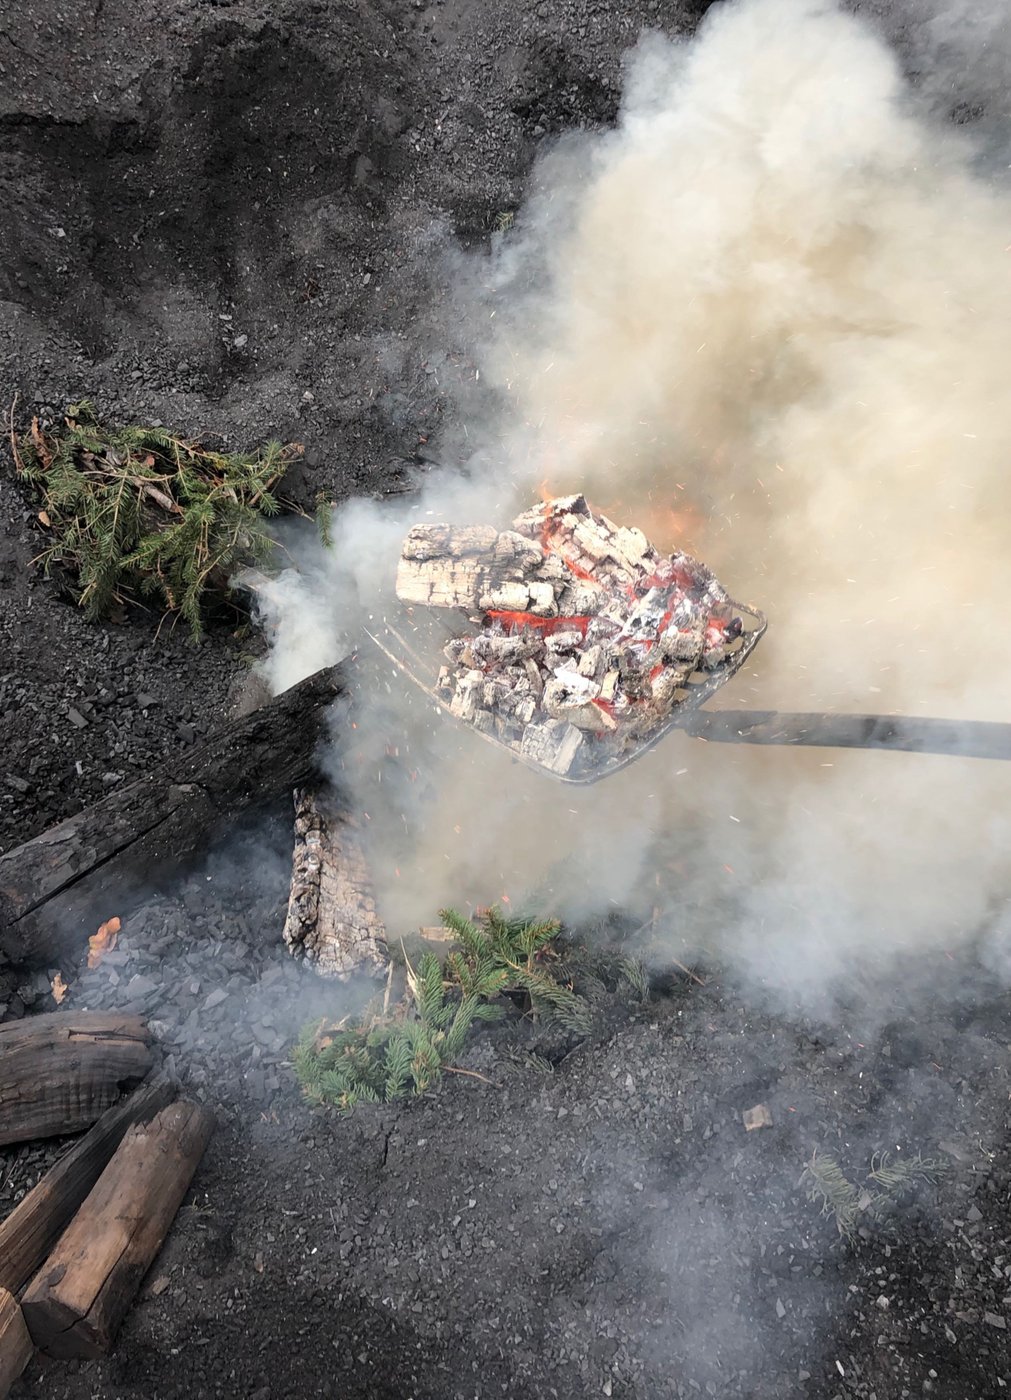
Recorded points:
76,1303
57,887
61,1071
907,733
15,1342
37,1221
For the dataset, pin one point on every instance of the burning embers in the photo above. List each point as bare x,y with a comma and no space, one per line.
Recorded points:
589,639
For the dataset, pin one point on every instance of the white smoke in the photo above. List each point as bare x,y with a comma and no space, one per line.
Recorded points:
767,318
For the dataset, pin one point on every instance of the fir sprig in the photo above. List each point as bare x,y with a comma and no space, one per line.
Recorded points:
390,1056
825,1183
139,512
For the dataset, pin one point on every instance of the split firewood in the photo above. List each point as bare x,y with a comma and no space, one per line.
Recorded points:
588,637
58,887
62,1070
74,1306
37,1221
15,1342
332,919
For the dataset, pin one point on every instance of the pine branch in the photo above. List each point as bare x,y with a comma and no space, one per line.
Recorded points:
408,1051
139,511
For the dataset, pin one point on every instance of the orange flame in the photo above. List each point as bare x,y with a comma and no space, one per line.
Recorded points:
102,942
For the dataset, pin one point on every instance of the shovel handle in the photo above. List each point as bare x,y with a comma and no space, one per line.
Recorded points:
908,733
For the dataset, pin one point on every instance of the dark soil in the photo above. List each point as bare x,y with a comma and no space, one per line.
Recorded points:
234,218
595,1220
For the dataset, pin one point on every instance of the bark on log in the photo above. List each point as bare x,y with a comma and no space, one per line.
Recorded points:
55,888
37,1221
332,919
75,1305
15,1343
61,1071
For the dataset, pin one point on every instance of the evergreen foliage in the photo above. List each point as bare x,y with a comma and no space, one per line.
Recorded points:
139,512
390,1056
826,1184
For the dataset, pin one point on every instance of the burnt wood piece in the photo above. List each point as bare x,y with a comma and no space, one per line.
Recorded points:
56,888
37,1221
62,1070
332,919
75,1304
907,733
15,1343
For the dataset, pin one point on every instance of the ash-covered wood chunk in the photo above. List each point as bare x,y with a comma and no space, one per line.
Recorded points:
332,919
587,637
552,743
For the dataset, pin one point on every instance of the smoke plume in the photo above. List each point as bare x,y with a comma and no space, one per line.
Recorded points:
766,318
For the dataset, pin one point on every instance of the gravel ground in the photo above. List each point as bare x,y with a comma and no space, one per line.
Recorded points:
235,217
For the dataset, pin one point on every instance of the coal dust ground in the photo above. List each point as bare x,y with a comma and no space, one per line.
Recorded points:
233,218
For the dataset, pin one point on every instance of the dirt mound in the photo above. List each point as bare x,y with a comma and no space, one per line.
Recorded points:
231,218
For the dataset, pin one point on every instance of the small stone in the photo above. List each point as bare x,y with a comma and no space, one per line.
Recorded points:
215,999
77,719
780,1309
995,1320
974,1214
757,1117
160,1284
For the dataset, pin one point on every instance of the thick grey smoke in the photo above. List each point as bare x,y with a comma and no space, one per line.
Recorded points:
767,318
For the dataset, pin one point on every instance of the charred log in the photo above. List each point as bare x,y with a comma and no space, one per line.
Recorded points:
74,1307
37,1221
55,888
332,919
60,1072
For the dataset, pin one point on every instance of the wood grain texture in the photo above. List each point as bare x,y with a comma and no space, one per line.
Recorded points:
15,1342
39,1219
76,1303
61,1071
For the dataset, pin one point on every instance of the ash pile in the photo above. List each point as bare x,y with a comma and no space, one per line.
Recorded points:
582,641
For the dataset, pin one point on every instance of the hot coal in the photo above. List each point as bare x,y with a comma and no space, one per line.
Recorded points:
589,638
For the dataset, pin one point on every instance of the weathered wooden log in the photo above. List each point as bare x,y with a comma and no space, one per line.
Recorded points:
75,1304
15,1342
54,888
37,1221
332,919
61,1071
